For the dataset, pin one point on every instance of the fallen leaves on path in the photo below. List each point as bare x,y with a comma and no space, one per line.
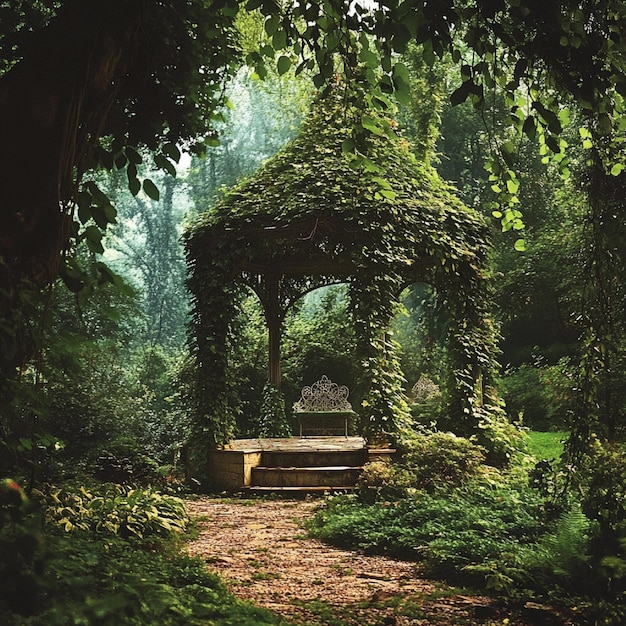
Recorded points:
259,547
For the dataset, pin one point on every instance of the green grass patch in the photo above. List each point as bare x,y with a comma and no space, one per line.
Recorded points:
546,445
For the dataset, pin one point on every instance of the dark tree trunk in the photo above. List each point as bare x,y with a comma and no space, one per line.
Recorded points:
53,105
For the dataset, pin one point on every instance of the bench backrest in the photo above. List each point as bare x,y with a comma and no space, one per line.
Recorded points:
323,396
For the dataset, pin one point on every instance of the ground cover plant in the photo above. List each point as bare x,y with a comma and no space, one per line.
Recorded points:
107,555
503,532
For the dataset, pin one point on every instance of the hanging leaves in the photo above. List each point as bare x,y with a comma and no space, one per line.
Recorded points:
151,190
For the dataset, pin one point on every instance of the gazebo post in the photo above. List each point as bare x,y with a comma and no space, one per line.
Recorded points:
274,319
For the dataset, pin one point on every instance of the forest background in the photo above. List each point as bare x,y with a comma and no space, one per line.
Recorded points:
108,390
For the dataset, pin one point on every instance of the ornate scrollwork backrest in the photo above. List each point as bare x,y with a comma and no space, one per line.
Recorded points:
324,395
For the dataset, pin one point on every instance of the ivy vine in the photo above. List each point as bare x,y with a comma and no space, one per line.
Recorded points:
380,223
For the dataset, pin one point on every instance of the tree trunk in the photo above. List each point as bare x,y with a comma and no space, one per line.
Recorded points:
53,105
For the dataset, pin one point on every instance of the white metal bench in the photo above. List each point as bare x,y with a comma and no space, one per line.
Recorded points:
323,405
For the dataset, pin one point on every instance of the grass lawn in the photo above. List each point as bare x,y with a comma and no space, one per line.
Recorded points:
546,445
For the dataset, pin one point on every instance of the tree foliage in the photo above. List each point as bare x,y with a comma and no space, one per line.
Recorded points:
138,73
152,73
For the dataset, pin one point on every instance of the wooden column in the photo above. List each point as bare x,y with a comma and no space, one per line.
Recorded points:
274,319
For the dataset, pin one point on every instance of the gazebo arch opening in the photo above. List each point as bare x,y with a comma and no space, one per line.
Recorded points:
308,218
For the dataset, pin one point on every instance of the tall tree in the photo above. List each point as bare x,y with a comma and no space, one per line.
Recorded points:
146,250
148,72
138,72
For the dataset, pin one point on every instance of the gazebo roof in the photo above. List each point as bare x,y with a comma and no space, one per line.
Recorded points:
308,213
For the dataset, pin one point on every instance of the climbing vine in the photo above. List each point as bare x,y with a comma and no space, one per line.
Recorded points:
273,420
380,223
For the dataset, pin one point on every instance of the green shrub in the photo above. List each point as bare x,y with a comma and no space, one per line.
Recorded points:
21,551
447,531
117,510
124,460
441,460
383,480
93,581
429,462
101,573
604,502
503,441
561,556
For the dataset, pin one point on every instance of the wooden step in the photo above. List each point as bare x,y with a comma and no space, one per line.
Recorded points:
330,476
313,458
319,489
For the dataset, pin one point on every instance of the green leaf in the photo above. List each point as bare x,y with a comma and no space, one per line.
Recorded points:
530,127
283,64
151,190
133,155
553,144
93,237
512,186
99,216
172,151
520,245
371,124
230,9
549,116
134,186
279,40
617,169
348,146
460,95
271,24
84,206
73,275
400,70
165,164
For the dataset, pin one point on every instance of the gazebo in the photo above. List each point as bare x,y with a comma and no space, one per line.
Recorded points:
315,214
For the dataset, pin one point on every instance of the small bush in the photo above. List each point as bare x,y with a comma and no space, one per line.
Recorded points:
117,510
441,460
124,461
382,480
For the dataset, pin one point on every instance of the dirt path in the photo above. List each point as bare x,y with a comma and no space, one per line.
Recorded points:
261,550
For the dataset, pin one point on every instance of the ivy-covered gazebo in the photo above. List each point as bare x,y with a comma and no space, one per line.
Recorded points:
309,218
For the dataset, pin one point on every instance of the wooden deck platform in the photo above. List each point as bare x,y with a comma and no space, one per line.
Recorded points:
299,444
306,463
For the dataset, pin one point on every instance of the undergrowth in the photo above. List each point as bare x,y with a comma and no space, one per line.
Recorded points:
514,534
108,556
449,533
